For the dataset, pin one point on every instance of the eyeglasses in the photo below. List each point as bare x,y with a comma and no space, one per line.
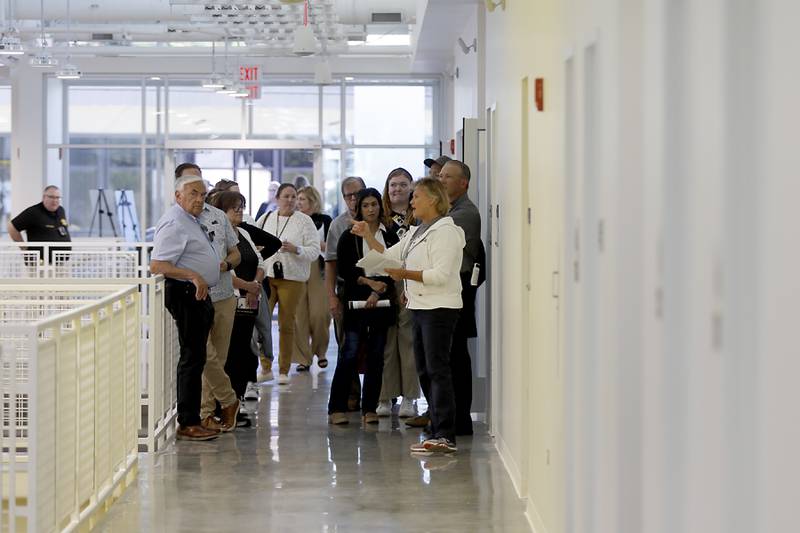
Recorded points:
209,234
238,209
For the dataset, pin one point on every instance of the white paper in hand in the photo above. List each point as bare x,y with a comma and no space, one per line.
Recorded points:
374,261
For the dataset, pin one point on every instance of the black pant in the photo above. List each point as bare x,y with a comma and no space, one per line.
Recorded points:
242,363
193,319
347,367
461,362
433,335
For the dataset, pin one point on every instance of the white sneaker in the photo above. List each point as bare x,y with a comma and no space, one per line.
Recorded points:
283,379
252,392
407,408
268,376
384,408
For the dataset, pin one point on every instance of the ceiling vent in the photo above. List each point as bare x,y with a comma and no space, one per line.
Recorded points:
387,18
102,36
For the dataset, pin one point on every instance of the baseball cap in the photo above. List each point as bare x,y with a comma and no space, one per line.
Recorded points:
441,160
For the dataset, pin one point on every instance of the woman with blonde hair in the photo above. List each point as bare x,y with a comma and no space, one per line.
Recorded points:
399,368
289,269
313,319
430,257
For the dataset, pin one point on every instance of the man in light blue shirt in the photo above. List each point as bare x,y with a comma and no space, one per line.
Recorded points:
216,383
182,253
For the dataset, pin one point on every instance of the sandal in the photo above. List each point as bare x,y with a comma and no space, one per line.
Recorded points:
302,368
322,363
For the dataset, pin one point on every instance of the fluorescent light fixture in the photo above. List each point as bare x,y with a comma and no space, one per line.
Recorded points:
349,78
214,83
10,45
69,72
389,39
43,60
226,90
155,78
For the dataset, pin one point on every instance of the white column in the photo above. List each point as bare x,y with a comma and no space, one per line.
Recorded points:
27,137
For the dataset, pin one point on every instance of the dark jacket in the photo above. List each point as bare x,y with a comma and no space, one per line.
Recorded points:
349,251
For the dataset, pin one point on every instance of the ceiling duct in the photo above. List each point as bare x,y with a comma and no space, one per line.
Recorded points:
387,18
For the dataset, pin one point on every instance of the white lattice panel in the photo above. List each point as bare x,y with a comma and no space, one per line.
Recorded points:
69,403
94,264
19,264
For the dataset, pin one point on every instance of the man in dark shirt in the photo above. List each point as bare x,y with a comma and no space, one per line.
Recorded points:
455,177
43,222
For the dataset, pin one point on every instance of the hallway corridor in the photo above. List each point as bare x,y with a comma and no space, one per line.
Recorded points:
294,472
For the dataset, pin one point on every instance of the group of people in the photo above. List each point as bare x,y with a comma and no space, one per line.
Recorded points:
399,270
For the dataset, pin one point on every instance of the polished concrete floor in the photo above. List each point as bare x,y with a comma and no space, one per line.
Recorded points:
294,472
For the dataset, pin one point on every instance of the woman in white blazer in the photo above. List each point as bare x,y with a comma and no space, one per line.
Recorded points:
430,255
289,269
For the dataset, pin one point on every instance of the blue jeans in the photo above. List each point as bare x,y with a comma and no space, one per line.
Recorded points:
347,367
433,337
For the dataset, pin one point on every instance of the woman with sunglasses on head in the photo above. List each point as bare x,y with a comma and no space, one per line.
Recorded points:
242,363
399,368
368,312
289,269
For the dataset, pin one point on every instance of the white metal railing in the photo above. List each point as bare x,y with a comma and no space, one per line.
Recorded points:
68,381
111,261
159,346
92,258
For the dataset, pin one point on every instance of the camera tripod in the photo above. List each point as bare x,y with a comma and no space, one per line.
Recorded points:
101,208
125,215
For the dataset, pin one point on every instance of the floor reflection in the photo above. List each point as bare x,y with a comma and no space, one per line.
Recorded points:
293,471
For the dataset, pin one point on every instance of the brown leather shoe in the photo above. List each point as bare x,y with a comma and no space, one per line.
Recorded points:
211,423
228,416
196,433
418,421
338,419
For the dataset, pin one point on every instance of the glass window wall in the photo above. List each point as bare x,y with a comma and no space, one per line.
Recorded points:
385,125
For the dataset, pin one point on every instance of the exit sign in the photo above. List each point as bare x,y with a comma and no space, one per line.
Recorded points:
250,78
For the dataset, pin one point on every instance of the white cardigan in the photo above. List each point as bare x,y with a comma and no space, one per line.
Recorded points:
301,232
438,255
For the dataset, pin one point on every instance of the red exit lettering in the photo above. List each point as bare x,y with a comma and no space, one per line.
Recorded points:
248,73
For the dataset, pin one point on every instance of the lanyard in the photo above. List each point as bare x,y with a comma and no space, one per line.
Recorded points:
278,223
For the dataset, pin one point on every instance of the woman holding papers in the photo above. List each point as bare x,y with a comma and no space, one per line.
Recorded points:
430,255
368,312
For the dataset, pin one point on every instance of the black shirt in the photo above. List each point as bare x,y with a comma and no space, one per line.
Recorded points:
43,225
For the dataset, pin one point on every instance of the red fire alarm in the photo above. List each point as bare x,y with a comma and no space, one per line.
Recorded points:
540,94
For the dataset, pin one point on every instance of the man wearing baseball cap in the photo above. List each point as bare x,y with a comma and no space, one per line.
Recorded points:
436,165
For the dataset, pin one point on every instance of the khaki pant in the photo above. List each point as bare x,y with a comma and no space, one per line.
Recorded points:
286,293
399,366
216,385
313,320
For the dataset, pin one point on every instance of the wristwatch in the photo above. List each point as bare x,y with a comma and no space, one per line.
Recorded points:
228,265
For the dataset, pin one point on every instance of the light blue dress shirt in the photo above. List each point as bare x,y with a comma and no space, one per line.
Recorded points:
223,238
179,239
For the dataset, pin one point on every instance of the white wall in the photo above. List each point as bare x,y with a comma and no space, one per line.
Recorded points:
662,181
467,84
